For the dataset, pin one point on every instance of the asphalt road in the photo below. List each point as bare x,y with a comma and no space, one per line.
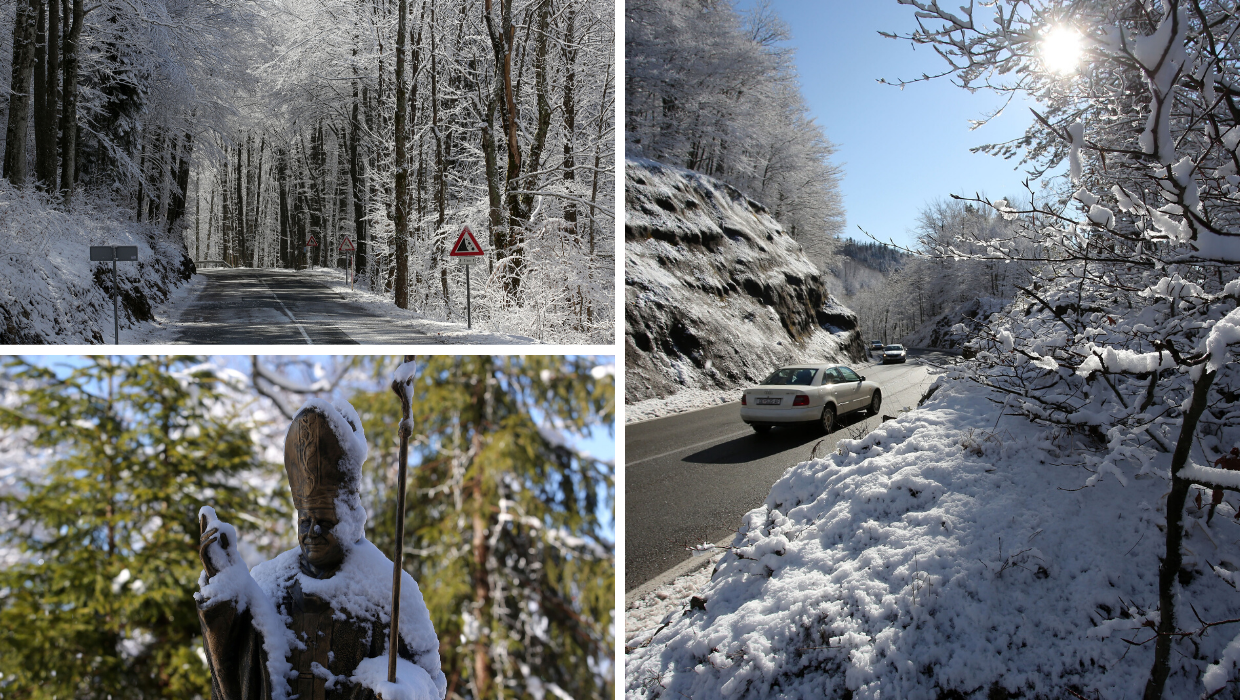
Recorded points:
689,478
257,306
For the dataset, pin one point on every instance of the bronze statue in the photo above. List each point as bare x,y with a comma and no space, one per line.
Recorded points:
313,623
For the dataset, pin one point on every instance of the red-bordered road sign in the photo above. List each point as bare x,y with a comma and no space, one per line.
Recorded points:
346,245
312,243
466,245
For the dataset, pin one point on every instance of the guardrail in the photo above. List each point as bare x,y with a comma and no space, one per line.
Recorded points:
209,263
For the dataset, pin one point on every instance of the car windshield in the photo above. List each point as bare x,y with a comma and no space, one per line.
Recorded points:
894,347
802,376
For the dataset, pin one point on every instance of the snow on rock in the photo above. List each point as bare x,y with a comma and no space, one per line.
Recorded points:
716,293
50,292
940,556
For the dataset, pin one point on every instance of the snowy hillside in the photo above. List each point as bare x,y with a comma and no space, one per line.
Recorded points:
50,292
950,553
716,294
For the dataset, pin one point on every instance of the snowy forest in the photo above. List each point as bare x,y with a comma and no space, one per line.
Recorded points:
262,134
714,90
1043,523
106,461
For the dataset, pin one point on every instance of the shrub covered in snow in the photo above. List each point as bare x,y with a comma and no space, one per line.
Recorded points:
50,292
949,553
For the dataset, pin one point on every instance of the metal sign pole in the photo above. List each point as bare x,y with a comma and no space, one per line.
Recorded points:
469,319
116,304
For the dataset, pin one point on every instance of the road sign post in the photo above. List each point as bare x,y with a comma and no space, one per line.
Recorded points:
467,251
114,253
312,243
346,246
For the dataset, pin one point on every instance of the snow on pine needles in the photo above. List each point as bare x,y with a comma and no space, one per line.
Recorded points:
950,550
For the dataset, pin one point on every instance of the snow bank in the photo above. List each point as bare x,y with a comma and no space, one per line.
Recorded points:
716,294
50,292
943,556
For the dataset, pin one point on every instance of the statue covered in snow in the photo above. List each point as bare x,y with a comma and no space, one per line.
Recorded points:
313,623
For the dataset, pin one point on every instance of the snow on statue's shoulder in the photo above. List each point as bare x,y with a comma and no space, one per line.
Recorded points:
412,682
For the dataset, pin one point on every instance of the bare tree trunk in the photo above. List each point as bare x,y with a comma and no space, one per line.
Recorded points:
68,115
240,209
1173,557
495,217
24,30
401,219
482,593
502,33
47,98
258,198
570,111
359,186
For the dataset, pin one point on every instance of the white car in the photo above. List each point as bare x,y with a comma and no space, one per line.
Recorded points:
808,394
894,353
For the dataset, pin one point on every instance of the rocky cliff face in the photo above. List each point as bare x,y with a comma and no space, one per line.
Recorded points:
716,294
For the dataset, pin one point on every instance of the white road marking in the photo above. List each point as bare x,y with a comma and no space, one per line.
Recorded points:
286,311
690,447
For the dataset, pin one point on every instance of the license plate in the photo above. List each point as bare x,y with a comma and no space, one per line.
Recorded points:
767,402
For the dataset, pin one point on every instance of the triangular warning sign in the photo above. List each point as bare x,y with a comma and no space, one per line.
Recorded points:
346,245
312,243
466,245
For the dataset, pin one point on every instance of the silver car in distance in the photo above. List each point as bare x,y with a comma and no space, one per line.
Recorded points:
894,353
808,394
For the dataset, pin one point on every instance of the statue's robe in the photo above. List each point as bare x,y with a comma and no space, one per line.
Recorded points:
238,663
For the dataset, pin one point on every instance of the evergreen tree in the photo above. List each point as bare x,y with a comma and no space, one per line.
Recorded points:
100,603
503,524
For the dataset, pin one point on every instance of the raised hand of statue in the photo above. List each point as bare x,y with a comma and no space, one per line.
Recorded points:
205,540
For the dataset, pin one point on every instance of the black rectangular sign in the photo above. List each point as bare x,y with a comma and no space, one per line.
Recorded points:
100,253
126,253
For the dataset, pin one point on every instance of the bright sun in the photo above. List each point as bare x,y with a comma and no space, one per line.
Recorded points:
1061,50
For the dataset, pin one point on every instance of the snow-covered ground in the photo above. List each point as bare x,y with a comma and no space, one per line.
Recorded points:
50,291
951,552
680,402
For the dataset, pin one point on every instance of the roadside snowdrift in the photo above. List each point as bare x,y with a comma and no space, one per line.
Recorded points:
50,292
940,556
716,294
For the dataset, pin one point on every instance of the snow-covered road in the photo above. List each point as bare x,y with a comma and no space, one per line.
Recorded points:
690,477
262,306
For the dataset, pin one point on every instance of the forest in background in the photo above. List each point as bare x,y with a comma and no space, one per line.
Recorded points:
249,129
509,524
715,90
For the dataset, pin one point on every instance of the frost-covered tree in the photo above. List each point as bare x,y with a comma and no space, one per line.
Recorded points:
97,599
505,527
715,91
1124,334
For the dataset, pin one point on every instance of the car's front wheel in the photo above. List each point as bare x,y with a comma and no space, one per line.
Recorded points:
876,402
761,429
828,419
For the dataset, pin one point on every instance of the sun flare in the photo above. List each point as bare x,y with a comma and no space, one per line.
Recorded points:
1061,50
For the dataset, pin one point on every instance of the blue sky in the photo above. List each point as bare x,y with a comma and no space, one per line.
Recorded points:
900,149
